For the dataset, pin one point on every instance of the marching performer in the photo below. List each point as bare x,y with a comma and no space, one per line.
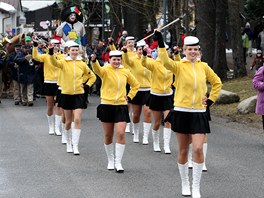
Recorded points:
113,110
131,51
141,99
49,88
72,28
161,97
73,70
189,119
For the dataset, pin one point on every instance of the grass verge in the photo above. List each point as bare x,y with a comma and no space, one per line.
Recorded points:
243,87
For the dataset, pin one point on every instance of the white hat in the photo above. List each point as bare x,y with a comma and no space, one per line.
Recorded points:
247,25
115,53
130,38
54,41
124,32
259,52
141,43
191,41
71,43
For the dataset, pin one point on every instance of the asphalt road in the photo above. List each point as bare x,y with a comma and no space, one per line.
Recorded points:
34,164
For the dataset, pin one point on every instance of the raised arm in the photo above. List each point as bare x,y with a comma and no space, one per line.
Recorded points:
96,66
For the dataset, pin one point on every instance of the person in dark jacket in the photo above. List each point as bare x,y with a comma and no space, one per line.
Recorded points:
27,74
15,73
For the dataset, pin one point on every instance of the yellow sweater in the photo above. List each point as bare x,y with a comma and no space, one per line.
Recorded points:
142,74
50,72
161,77
72,74
190,81
114,80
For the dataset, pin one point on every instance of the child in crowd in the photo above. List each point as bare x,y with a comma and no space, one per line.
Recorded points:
258,61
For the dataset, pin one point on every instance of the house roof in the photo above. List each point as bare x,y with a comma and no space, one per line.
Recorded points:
15,3
7,7
32,5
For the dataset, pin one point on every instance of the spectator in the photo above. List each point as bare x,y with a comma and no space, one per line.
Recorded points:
258,61
259,86
27,74
249,33
122,39
245,44
261,39
15,73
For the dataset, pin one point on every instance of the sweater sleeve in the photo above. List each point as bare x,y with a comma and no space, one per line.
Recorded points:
55,62
168,63
36,56
258,78
91,77
215,82
147,62
97,68
134,85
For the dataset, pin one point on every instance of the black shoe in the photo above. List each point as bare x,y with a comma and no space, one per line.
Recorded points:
16,103
30,104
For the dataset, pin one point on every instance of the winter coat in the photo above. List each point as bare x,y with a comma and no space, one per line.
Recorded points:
11,64
258,84
27,72
1,62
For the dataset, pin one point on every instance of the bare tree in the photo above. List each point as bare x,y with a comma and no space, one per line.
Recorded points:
205,24
220,63
236,40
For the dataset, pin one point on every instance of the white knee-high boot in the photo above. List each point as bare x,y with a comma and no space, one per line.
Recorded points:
69,140
57,125
155,136
197,174
204,153
119,151
109,149
51,124
136,132
190,156
166,138
146,129
127,130
75,140
63,134
184,173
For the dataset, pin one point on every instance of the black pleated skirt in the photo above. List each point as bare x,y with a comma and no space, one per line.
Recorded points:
160,103
49,89
58,97
188,122
141,98
71,102
113,113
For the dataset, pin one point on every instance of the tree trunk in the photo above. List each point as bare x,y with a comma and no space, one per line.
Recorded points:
236,40
135,22
205,16
220,63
